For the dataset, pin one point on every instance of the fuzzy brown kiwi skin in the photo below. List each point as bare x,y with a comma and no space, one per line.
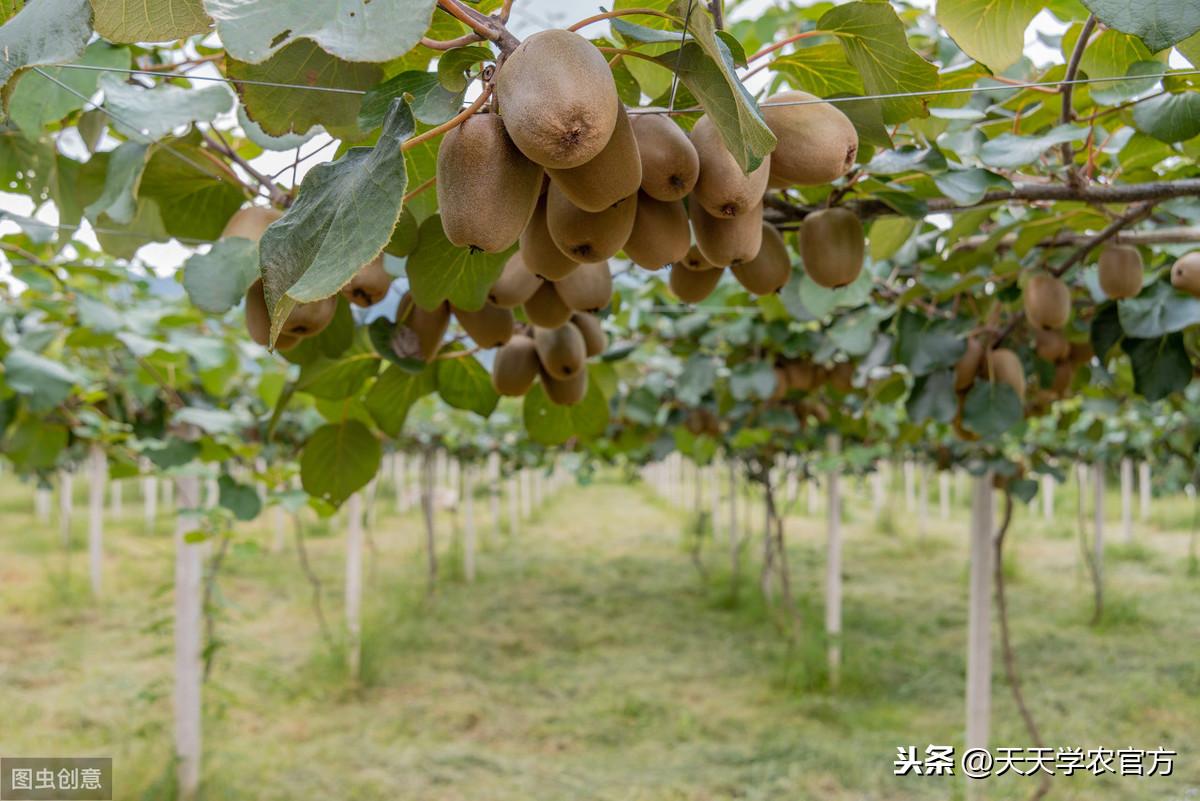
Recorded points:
801,374
515,285
539,253
561,351
586,237
1121,271
587,289
770,270
250,222
613,174
428,326
258,320
968,365
727,242
817,143
693,286
1047,302
558,98
310,319
486,187
594,338
489,327
833,247
565,392
670,165
660,235
1004,366
1185,274
694,260
723,189
545,308
370,285
515,367
1051,345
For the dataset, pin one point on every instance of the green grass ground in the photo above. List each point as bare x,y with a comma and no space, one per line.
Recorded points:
591,661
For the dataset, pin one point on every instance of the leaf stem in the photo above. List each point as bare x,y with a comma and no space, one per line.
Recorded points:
771,48
620,12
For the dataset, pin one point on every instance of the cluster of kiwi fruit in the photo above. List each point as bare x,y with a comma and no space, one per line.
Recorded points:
367,288
560,166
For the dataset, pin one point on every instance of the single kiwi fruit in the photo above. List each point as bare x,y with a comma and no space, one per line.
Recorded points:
540,255
1121,271
419,332
817,143
694,260
557,98
370,285
490,327
693,286
670,165
1064,374
515,285
781,385
801,374
723,189
841,377
545,308
1047,302
614,174
1185,274
584,236
515,367
307,319
486,188
565,392
770,270
968,365
1005,366
258,321
589,288
562,351
594,338
727,241
833,247
1081,352
250,222
1051,345
660,234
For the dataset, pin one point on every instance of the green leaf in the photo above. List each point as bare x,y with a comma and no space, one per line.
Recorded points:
341,220
1106,330
336,379
217,281
464,383
279,111
339,460
969,186
925,346
118,200
240,499
431,103
439,270
550,424
45,32
37,101
991,409
210,421
394,393
1010,151
1160,366
156,112
933,398
1190,48
888,234
452,66
820,70
195,198
1160,309
44,382
990,31
131,21
1112,54
35,444
1169,118
254,30
752,381
876,44
1158,23
697,380
174,452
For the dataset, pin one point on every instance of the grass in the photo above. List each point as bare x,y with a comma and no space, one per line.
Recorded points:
590,660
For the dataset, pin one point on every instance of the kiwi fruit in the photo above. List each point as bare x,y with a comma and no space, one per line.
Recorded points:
1005,367
968,365
546,308
1051,345
306,319
660,234
770,270
727,241
1185,274
419,332
562,351
370,285
540,255
584,236
833,247
781,385
250,222
565,392
614,174
594,338
801,375
817,143
1121,271
841,377
723,189
486,188
589,288
693,286
490,327
1081,353
515,367
670,165
1064,374
695,261
258,321
1047,302
557,98
515,285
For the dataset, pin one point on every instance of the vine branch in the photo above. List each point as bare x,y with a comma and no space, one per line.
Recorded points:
491,28
620,12
1067,89
1136,214
278,197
